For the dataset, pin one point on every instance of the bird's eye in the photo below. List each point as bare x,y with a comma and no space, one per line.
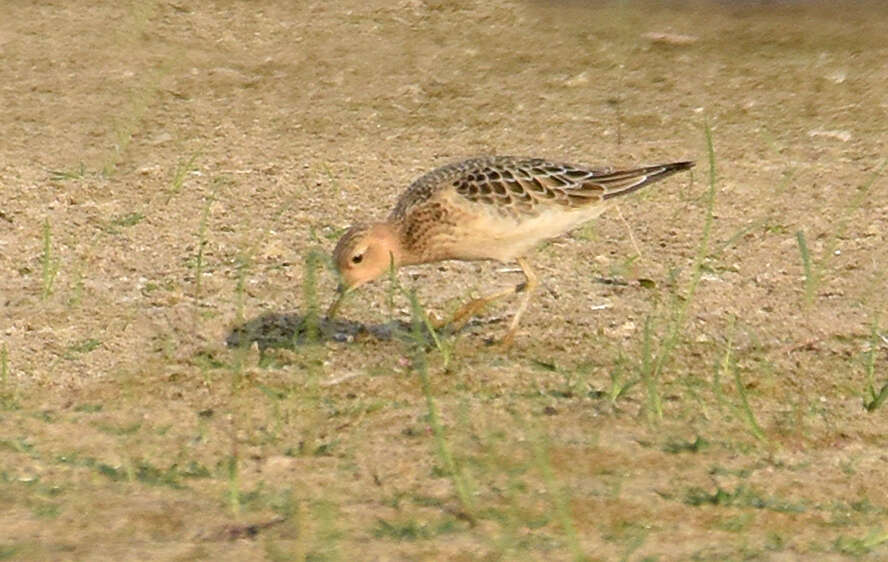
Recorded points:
358,258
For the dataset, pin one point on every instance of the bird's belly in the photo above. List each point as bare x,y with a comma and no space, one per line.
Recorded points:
505,238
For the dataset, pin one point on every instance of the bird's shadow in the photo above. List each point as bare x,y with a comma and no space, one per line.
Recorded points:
292,329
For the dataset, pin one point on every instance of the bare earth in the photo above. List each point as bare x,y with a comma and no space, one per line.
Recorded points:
173,176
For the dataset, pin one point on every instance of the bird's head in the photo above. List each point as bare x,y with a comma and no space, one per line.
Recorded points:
364,253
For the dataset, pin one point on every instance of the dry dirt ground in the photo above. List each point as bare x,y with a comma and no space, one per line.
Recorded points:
699,378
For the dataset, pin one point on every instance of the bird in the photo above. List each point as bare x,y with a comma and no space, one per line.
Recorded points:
485,208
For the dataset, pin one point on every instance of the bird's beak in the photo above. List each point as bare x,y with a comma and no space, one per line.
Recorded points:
342,290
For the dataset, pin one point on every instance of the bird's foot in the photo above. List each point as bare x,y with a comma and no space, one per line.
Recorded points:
505,344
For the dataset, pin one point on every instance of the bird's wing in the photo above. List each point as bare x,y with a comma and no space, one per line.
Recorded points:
527,185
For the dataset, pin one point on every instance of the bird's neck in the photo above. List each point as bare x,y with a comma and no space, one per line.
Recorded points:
388,235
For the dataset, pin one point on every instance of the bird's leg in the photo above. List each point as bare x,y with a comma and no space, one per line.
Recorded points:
528,286
474,306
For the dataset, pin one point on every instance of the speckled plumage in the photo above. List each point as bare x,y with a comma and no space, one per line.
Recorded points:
524,185
504,194
494,207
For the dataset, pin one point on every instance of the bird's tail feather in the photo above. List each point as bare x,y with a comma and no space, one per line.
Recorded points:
624,182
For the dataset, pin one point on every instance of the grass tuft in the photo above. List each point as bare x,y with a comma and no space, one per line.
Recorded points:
810,280
873,399
65,175
49,262
183,168
313,262
729,365
420,365
654,405
201,245
4,367
748,414
443,347
234,495
654,363
859,547
620,385
243,268
559,499
814,268
7,393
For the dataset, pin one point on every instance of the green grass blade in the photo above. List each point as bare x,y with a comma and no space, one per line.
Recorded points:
680,310
445,455
810,281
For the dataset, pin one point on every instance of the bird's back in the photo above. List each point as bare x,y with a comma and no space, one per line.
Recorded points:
527,186
426,186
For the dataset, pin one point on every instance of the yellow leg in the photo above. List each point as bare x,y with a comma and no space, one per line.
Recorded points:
475,306
528,287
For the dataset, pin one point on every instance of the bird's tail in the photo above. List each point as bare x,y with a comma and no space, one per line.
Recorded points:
623,182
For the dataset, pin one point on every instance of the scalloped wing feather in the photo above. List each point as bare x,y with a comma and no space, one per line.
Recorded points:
526,186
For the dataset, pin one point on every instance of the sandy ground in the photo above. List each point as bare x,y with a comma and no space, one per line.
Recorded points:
169,169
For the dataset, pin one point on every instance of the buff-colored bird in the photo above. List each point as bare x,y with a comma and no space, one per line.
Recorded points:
489,208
